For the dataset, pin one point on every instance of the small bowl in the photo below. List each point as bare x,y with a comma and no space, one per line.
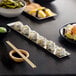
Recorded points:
6,12
2,35
62,31
16,58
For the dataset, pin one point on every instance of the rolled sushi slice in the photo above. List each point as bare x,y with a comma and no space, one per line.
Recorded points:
41,41
60,52
17,26
25,30
50,45
56,50
33,35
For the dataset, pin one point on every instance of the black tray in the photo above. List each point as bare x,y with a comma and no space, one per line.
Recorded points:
39,18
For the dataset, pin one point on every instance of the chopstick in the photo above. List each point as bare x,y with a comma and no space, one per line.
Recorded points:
23,56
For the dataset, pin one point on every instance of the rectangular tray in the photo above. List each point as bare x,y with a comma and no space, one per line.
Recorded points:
39,18
11,24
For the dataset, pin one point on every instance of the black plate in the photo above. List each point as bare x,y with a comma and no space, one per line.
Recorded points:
62,31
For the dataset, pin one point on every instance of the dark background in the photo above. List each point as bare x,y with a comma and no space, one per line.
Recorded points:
47,64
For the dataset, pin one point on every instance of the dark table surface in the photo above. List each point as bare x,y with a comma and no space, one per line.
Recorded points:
47,64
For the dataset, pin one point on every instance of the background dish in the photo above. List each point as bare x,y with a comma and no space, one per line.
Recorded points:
37,17
2,35
12,12
62,31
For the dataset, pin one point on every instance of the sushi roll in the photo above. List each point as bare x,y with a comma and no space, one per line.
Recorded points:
50,45
56,50
33,35
60,52
17,26
41,41
25,30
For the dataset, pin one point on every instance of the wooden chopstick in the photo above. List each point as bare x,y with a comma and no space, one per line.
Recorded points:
23,56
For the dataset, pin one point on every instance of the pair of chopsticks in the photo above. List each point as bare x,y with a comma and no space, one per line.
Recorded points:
22,55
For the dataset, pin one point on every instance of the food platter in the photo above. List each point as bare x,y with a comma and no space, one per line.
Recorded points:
37,17
36,38
38,11
62,32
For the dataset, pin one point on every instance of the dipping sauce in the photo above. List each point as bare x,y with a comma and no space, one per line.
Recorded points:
17,58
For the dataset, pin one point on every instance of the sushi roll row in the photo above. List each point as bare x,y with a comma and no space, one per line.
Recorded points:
40,40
